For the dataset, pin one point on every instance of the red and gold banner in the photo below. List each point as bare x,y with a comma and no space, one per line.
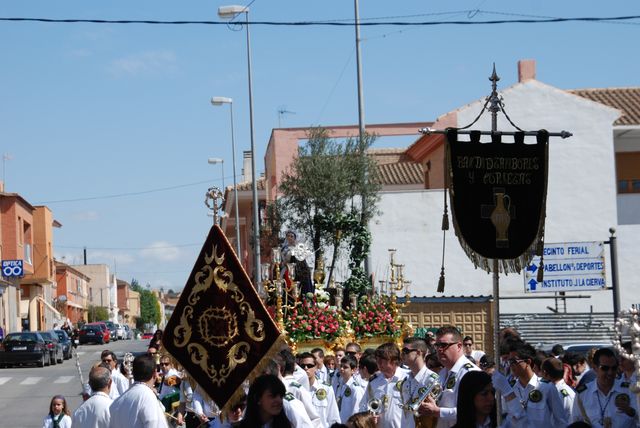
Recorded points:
220,330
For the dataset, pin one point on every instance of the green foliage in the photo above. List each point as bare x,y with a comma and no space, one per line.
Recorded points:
97,313
324,186
149,306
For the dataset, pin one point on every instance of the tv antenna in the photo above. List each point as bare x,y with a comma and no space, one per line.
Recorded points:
282,110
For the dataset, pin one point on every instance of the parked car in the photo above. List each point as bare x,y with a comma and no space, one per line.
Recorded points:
584,348
120,331
128,334
147,335
106,334
67,344
91,333
24,348
112,330
53,344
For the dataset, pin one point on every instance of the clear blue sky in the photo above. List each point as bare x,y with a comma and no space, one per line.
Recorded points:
91,110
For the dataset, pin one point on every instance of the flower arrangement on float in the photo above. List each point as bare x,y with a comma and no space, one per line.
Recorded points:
373,317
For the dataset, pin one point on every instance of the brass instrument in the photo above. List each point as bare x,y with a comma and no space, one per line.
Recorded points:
375,406
432,388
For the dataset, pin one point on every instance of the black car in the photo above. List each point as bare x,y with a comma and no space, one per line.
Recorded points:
53,344
24,348
67,345
91,333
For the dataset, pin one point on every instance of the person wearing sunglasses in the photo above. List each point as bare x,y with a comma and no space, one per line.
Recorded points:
448,346
119,383
169,378
605,402
322,396
414,351
540,399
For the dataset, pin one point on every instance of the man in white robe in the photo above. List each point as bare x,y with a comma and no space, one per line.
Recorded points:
94,413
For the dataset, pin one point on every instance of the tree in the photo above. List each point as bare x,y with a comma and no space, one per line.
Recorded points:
149,305
97,313
323,190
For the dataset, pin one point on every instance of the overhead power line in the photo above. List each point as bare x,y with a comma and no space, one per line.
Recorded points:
611,19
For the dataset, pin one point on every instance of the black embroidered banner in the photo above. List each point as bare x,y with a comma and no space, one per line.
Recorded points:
220,331
498,197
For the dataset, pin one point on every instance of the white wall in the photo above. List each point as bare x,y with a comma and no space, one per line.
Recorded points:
581,204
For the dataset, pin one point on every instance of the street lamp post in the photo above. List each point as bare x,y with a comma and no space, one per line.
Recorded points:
218,101
230,12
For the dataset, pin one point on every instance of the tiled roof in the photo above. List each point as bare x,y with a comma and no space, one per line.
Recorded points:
627,100
401,173
247,185
389,155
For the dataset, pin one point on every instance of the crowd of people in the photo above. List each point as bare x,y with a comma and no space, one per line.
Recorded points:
436,381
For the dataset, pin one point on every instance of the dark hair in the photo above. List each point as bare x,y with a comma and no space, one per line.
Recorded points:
486,362
143,368
539,358
468,338
304,355
318,351
509,344
368,361
553,367
470,385
289,362
259,386
388,351
99,379
602,352
433,361
418,344
449,329
557,350
351,360
525,351
573,358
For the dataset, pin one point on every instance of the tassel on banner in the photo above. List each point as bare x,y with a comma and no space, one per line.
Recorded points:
441,281
540,276
445,221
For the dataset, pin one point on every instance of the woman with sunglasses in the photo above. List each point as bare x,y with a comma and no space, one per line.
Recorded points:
476,402
264,404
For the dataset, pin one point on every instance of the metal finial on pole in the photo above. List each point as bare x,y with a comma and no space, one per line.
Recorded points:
214,199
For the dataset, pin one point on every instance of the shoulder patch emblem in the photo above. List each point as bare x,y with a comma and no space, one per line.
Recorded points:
451,382
512,382
289,396
622,400
347,392
581,388
434,376
564,392
399,385
321,393
468,366
624,384
295,384
535,396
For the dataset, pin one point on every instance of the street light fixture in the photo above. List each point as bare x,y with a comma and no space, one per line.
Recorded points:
215,161
218,101
230,12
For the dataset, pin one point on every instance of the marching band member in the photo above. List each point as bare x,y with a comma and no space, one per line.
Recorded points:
322,396
604,403
286,362
383,391
413,354
539,398
449,347
350,392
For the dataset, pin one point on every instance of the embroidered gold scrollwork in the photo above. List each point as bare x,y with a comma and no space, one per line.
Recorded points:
238,354
252,326
203,280
182,332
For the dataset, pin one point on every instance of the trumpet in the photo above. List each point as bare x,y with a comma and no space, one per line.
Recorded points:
375,406
432,389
